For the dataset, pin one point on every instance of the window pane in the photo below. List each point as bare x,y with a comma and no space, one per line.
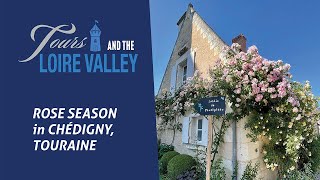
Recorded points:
185,70
184,75
200,124
199,135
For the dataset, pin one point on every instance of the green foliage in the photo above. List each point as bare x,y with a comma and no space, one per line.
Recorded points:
303,174
164,111
165,160
250,173
180,164
218,171
219,134
163,177
235,171
200,166
163,148
315,154
189,174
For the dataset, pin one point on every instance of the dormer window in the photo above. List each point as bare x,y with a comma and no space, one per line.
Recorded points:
182,73
182,51
181,70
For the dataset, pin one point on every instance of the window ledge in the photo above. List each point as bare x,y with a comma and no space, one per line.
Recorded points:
193,146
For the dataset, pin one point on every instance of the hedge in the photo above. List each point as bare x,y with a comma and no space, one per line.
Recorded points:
165,159
179,164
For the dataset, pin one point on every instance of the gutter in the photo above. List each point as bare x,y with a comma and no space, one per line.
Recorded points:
234,149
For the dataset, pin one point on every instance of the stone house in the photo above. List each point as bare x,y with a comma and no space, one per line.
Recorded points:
196,48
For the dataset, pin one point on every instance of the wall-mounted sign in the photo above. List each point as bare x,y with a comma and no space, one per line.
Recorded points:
211,106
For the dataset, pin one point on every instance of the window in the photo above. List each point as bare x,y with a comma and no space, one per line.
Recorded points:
182,51
184,74
199,130
195,130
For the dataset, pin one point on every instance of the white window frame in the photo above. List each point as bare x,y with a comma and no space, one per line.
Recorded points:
180,72
190,130
198,130
184,73
188,58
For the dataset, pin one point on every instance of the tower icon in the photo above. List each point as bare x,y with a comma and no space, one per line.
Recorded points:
95,33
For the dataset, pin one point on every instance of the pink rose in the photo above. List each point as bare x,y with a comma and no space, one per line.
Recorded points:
271,90
253,50
286,67
251,73
259,97
255,88
237,91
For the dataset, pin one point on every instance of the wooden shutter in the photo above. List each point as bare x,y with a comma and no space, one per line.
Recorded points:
185,129
173,78
190,65
205,124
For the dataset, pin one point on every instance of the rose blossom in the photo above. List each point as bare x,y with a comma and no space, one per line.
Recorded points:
298,117
251,73
245,79
271,90
286,67
237,91
253,50
265,102
255,88
295,110
259,97
228,79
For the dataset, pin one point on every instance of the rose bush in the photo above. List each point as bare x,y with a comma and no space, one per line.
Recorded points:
281,112
170,105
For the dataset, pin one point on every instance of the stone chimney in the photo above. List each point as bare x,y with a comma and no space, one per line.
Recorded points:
242,41
187,14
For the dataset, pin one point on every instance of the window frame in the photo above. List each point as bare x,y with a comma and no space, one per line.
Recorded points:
184,73
199,130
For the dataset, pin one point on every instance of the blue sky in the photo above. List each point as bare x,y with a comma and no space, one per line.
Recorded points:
286,30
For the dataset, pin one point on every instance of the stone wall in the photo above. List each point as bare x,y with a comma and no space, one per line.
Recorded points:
183,40
206,44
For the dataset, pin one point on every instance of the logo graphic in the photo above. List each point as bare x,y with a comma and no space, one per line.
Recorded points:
95,33
200,107
95,61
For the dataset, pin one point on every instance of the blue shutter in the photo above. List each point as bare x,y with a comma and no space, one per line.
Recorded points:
185,129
